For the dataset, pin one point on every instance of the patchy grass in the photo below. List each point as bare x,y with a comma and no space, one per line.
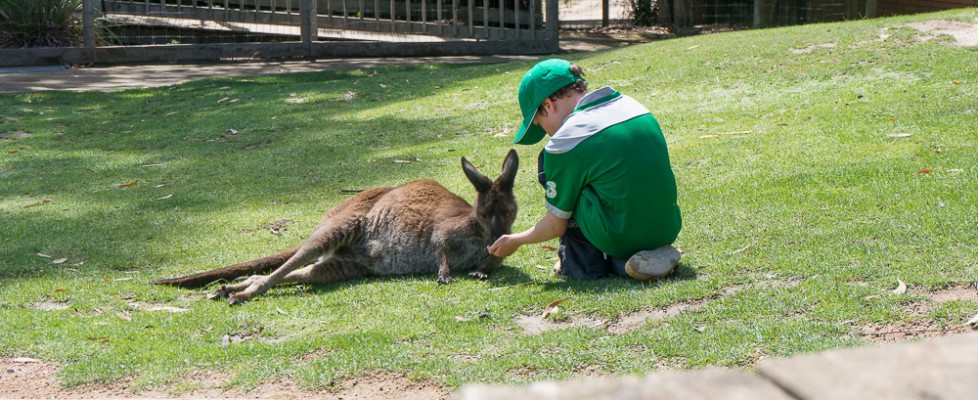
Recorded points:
811,178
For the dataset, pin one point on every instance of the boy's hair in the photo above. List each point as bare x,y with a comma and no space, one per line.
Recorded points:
578,86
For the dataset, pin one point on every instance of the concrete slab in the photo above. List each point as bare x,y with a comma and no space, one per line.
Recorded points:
943,368
706,384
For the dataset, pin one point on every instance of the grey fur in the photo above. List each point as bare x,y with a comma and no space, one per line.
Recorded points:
416,228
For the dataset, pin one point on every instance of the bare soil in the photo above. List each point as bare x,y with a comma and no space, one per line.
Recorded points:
37,379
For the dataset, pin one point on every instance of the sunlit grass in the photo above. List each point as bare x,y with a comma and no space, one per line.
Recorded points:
811,177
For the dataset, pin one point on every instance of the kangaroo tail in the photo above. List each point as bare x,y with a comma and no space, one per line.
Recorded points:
258,266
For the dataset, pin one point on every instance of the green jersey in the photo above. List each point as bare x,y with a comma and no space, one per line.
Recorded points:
608,167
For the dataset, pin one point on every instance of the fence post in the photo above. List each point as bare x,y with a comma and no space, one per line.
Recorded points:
88,28
309,26
553,22
870,8
605,10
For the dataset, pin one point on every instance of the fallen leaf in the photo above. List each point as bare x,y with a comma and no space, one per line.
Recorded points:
875,296
125,185
957,82
45,201
106,280
171,114
892,118
225,340
123,316
955,170
700,329
25,360
461,319
925,171
551,248
232,131
551,307
59,261
901,287
692,47
12,151
42,255
897,135
223,99
165,197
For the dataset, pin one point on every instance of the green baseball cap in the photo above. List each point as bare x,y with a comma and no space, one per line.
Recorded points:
541,81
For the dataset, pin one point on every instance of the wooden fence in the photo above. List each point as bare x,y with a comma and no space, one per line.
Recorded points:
310,29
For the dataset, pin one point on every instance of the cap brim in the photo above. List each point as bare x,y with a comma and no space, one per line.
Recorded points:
529,133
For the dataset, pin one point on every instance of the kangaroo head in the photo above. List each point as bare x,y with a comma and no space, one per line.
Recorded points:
494,202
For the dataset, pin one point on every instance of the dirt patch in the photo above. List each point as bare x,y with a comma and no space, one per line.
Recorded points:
535,324
964,34
953,293
14,135
635,320
33,380
812,48
49,306
918,330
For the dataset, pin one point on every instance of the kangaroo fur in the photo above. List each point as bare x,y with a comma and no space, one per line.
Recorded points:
416,228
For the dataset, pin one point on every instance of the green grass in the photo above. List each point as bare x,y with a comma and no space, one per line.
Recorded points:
801,212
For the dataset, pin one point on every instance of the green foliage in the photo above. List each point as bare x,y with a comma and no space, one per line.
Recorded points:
40,23
644,12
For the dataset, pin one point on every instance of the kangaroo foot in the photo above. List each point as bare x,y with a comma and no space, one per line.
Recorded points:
258,285
480,275
445,279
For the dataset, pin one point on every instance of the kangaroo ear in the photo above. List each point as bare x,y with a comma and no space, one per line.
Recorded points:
510,166
481,183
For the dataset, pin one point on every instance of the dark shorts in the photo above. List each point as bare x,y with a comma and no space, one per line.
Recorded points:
579,258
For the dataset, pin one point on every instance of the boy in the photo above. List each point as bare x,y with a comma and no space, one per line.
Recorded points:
610,190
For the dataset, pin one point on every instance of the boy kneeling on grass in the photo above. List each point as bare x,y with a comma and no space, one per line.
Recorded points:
610,190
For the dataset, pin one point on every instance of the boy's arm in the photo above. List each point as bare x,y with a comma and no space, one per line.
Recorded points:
549,227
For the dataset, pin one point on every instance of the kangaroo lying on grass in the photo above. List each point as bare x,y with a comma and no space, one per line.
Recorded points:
416,228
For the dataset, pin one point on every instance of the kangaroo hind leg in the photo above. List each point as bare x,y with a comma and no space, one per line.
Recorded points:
331,236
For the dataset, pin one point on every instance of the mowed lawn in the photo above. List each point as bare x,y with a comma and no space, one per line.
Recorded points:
827,177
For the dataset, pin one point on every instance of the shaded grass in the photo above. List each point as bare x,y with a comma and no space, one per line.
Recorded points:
787,166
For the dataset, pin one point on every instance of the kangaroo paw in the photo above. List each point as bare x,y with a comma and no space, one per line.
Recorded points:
218,294
480,275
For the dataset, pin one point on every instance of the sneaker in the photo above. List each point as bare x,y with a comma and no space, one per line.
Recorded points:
653,264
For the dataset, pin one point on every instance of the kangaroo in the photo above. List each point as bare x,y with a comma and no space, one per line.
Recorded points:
417,228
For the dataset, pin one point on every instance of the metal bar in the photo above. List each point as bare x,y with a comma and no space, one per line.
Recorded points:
758,13
485,17
455,16
516,17
471,19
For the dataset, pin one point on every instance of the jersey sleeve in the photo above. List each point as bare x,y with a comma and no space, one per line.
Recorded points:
565,180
